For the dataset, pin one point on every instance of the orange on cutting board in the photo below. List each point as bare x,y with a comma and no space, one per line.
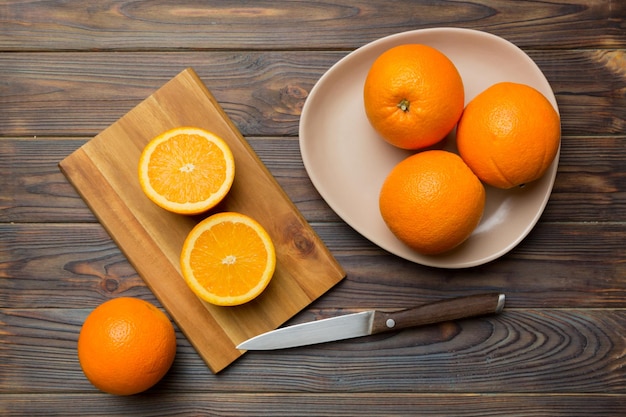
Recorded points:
432,201
413,96
228,259
186,170
126,345
509,135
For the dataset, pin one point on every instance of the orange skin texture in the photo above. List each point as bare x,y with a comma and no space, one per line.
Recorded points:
413,96
509,135
126,345
432,201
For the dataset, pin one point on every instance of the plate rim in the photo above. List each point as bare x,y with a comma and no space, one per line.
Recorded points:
426,260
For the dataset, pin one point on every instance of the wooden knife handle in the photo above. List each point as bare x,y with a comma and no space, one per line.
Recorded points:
437,312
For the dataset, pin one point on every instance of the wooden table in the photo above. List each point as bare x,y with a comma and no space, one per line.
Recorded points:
70,69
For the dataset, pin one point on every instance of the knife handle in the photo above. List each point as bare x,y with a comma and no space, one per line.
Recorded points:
437,312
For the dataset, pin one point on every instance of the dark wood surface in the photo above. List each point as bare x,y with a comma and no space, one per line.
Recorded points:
70,69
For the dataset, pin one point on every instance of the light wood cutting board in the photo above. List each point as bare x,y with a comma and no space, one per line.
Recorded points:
104,172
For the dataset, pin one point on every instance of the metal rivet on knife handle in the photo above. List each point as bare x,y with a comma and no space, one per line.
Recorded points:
368,322
440,311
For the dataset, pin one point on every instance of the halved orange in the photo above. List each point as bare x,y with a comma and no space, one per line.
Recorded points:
186,170
228,259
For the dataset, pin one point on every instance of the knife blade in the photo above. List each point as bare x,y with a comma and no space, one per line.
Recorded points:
370,322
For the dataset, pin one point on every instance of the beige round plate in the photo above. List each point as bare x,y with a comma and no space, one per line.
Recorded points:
347,161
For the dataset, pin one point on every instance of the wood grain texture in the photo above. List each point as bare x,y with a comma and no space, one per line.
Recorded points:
141,25
104,172
68,70
81,267
286,404
261,91
530,351
589,187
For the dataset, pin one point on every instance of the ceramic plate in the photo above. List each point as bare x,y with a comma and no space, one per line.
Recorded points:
347,161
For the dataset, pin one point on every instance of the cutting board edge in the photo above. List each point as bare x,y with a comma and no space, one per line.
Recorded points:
179,317
336,273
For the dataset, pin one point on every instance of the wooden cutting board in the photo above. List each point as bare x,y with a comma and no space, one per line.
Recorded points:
104,172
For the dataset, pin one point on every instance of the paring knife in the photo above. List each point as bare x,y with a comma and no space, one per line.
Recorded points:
373,321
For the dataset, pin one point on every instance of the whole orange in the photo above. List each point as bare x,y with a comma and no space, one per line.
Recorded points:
432,201
126,345
509,135
413,96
